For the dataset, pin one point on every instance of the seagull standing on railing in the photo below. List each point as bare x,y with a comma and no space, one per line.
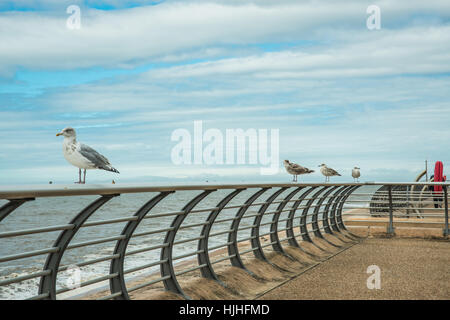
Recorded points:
81,155
295,169
356,174
328,172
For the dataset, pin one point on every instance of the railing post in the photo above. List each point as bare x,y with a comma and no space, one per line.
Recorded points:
203,255
167,268
390,228
274,238
48,282
446,231
255,241
303,218
11,206
117,284
233,249
339,220
290,220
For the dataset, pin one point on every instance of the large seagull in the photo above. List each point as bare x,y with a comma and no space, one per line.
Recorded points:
81,155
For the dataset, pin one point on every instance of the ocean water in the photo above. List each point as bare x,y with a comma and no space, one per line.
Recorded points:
45,212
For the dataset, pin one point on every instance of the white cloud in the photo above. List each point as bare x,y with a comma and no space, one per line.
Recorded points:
124,38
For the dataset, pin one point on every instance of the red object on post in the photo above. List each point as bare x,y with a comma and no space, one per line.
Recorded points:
438,175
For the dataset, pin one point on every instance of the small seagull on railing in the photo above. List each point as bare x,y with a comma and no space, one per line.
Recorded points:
295,169
356,174
81,155
328,172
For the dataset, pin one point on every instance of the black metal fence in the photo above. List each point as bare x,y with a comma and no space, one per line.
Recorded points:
265,216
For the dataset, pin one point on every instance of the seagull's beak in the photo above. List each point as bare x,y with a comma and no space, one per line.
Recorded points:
59,134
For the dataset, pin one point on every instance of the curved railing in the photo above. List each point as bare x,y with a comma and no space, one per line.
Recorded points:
273,215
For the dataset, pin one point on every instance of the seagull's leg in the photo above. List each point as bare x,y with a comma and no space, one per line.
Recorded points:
79,176
84,177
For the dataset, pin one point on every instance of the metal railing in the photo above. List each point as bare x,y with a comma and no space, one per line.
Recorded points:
213,234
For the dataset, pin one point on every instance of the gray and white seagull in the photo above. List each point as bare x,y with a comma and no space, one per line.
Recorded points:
328,172
356,174
81,155
295,169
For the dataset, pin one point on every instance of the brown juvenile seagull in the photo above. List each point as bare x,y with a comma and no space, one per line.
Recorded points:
295,169
81,155
328,172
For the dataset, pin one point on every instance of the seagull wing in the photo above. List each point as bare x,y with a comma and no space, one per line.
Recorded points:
96,158
333,172
297,166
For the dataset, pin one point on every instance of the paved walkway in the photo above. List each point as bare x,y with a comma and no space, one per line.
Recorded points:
410,269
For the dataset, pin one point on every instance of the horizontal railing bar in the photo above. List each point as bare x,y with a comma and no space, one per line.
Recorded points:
223,259
193,225
111,221
405,215
147,249
245,228
220,246
220,233
247,251
25,277
397,221
89,262
167,214
395,208
75,190
246,239
91,242
28,254
110,296
285,239
151,232
268,244
89,282
145,266
187,255
34,231
204,210
39,296
393,202
142,285
224,220
191,269
188,240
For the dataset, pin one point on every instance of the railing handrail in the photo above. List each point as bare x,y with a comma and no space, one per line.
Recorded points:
23,192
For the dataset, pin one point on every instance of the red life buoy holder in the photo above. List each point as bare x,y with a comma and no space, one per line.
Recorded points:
438,175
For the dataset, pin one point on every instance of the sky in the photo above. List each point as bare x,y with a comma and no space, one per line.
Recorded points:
338,92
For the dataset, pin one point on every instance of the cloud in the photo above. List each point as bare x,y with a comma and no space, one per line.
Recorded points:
131,37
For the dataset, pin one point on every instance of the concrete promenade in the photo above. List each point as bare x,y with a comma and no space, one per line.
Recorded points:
410,269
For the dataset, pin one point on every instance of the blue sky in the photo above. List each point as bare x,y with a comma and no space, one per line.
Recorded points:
136,71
